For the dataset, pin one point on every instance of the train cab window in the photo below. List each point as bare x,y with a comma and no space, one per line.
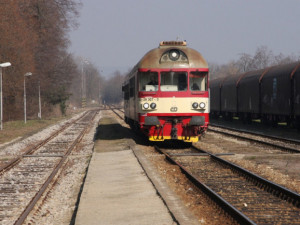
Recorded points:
198,81
148,81
173,81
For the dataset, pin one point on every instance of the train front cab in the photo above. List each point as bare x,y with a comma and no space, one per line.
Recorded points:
173,104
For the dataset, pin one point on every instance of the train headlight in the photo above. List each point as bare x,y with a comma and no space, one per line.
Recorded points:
146,105
202,105
152,105
195,105
174,54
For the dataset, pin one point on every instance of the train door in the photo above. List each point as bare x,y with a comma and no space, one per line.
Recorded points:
132,98
136,99
125,89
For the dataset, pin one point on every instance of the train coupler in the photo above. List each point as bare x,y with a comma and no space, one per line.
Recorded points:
174,132
160,134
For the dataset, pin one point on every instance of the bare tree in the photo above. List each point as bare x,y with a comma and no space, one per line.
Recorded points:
282,59
263,58
34,38
245,62
224,70
89,76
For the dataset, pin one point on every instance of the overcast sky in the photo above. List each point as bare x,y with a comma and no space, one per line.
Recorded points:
115,34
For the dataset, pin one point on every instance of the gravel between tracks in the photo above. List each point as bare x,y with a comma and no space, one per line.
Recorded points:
60,202
15,147
59,205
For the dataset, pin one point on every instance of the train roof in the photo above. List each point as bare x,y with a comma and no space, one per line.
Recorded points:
288,69
172,54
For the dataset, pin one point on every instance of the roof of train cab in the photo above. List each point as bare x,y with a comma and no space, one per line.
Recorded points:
172,54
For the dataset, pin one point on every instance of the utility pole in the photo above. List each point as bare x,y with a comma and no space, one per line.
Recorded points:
25,75
1,96
40,106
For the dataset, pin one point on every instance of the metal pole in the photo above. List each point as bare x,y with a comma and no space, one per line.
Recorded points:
24,100
25,75
1,97
40,106
82,85
81,80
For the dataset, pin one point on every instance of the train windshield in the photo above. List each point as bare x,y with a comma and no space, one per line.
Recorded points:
173,81
148,81
198,81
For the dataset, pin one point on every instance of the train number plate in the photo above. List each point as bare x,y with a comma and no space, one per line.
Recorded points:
173,109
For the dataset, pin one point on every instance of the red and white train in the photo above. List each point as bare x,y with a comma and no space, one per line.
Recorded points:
166,94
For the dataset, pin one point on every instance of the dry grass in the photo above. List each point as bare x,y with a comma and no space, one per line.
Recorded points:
15,129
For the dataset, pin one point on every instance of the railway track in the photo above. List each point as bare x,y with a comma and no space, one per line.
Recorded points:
248,198
115,109
284,144
26,178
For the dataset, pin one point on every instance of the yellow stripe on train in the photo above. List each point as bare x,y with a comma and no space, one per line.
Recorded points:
182,138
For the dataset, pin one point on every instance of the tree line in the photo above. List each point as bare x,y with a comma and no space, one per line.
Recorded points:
34,39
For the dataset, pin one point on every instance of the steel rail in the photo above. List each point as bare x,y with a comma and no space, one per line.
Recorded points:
120,109
226,206
269,186
284,148
113,109
36,198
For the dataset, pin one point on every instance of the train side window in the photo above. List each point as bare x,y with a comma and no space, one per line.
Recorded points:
126,92
132,86
173,81
148,81
198,81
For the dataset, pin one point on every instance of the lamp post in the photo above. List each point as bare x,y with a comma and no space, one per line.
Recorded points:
1,97
25,75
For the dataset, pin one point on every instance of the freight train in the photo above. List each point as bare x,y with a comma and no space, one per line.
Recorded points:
166,94
271,95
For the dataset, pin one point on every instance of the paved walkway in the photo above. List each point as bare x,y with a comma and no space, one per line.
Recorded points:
117,191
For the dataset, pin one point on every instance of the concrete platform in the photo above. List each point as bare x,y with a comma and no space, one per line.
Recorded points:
117,191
